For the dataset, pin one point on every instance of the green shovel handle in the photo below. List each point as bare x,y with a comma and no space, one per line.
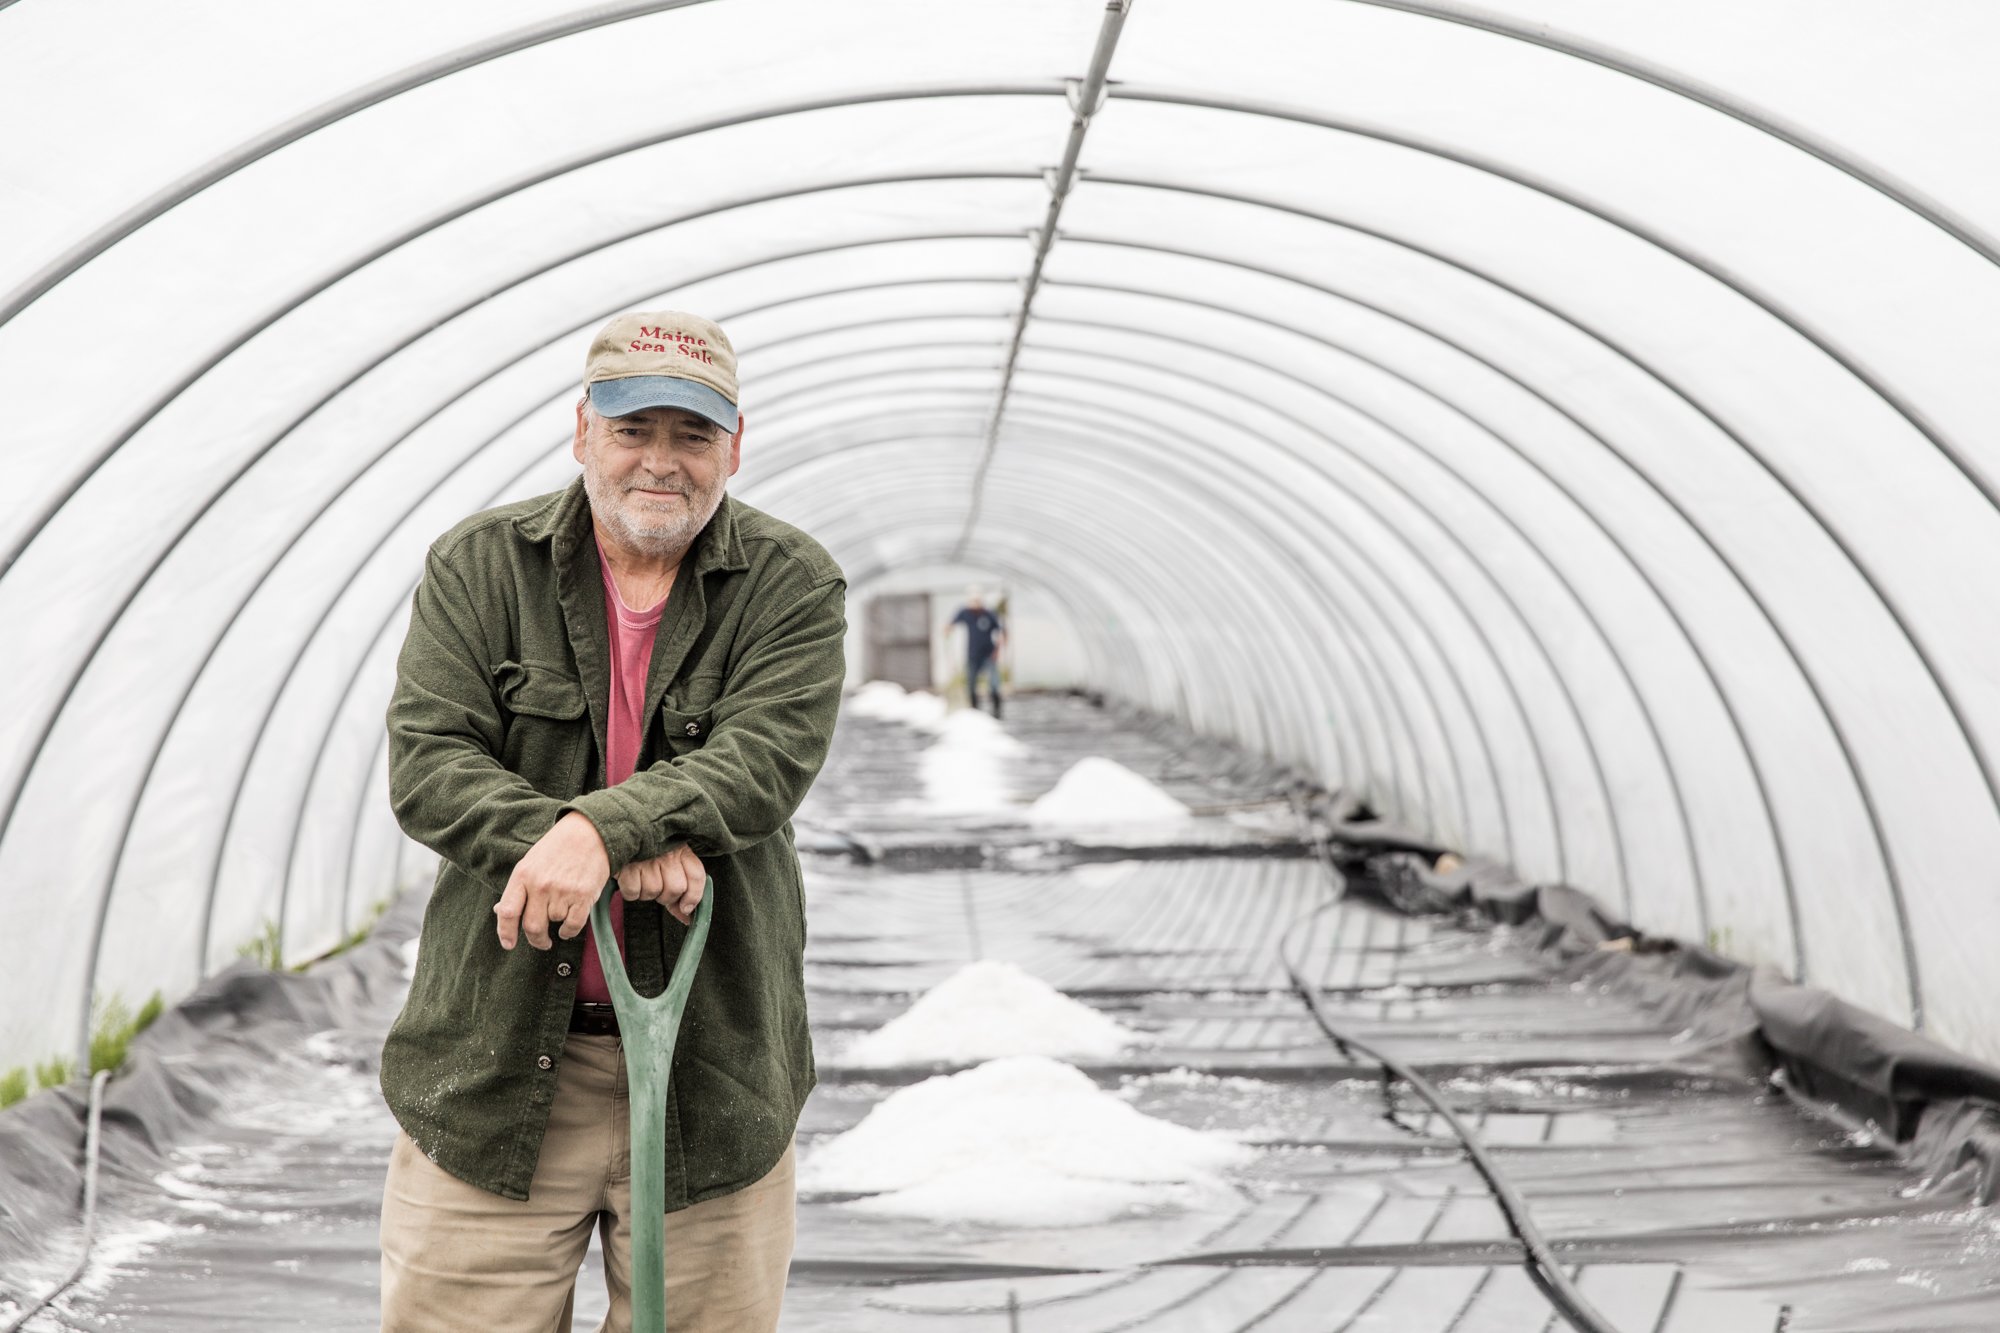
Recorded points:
648,1030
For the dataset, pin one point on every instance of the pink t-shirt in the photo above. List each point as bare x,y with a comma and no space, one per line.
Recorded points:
632,634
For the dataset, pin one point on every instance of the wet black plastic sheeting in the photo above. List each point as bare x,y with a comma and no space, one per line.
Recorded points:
243,1152
1941,1107
1622,1091
1652,1172
1627,1098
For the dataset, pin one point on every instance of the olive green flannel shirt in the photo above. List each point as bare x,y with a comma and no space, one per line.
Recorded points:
497,728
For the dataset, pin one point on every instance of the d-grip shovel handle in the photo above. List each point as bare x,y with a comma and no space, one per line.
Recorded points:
648,1030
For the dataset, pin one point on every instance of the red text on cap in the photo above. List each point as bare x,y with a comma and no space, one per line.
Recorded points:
685,349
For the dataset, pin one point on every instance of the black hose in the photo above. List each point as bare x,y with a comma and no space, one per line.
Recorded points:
1541,1263
90,1135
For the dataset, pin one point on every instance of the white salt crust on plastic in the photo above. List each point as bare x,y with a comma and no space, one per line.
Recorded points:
1024,1141
959,781
965,770
970,729
877,698
1098,791
887,701
988,1010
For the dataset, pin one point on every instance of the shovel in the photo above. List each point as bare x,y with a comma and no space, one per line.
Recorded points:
648,1029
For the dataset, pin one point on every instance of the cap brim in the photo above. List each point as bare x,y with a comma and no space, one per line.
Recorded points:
636,393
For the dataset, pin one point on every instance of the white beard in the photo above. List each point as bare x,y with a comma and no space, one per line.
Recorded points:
655,530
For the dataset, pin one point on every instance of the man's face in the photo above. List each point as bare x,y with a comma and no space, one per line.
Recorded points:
656,477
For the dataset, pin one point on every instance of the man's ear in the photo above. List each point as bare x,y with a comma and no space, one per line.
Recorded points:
576,445
736,446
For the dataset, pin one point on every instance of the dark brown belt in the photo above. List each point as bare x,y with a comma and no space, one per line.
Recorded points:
593,1020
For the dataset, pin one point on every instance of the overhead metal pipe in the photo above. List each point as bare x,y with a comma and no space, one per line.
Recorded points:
1783,129
1086,98
416,231
1573,201
327,113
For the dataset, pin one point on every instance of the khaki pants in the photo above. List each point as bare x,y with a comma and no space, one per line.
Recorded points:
455,1257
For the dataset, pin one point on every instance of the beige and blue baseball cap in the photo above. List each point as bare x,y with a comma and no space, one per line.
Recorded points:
663,358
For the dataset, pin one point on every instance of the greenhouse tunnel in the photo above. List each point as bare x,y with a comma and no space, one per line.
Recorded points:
1564,431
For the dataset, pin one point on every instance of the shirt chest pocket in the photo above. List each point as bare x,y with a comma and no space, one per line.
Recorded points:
686,717
547,732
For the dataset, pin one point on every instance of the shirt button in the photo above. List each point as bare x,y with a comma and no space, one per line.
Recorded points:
543,1062
562,969
694,728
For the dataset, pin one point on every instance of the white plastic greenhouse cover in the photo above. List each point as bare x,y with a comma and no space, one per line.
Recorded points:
1569,424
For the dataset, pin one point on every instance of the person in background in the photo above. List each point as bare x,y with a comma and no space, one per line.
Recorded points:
984,634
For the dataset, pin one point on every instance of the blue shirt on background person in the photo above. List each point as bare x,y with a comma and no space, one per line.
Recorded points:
981,627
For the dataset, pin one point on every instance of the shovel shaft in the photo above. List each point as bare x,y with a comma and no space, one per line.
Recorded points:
648,1029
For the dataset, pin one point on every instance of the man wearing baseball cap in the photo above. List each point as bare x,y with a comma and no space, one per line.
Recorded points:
634,676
